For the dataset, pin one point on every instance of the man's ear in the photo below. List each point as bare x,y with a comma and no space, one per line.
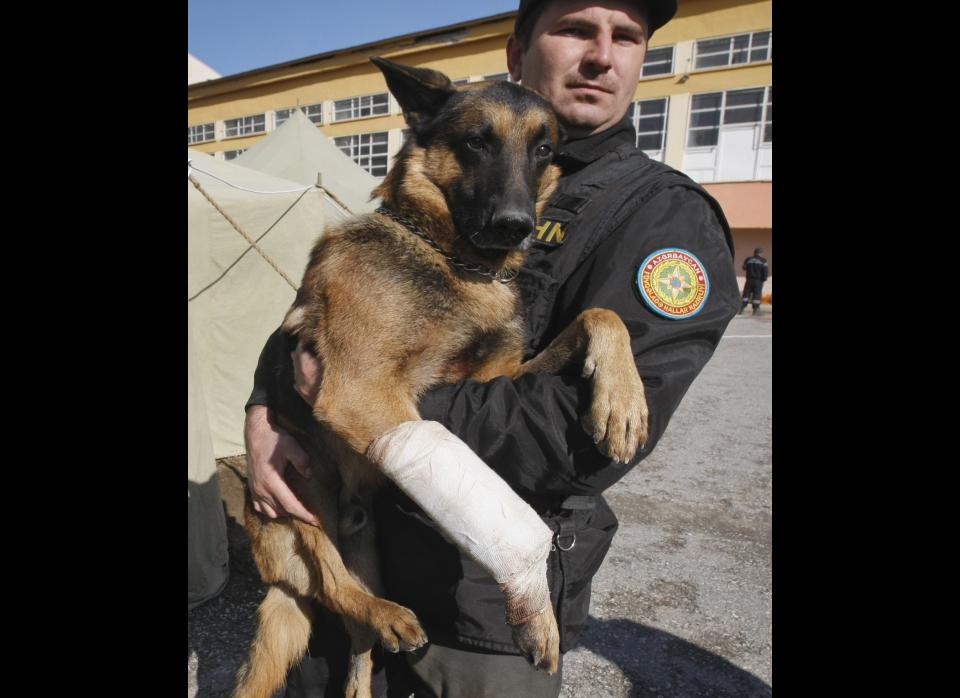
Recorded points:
421,92
514,58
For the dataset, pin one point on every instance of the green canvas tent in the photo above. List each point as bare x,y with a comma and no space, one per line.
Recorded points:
298,151
236,298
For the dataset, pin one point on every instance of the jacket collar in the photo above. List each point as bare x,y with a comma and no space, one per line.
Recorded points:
582,151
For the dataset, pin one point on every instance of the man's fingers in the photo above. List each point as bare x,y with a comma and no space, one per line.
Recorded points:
295,508
268,510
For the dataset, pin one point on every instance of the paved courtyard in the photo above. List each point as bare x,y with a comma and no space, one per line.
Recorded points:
682,604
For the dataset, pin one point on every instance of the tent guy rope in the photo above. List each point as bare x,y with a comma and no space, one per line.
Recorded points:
251,241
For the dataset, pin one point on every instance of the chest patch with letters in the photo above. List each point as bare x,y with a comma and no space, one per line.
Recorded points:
549,232
673,283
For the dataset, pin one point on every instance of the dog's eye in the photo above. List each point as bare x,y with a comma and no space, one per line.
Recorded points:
475,143
543,151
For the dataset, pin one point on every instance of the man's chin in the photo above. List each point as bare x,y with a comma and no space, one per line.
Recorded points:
585,119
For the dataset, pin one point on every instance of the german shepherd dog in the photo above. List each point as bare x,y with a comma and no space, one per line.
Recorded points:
394,302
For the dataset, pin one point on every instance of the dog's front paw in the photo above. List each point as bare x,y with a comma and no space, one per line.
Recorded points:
618,416
397,627
539,640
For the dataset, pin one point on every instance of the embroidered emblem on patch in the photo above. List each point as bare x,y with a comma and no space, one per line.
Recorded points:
673,283
550,232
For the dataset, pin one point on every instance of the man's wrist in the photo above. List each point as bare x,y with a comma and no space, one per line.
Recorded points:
258,415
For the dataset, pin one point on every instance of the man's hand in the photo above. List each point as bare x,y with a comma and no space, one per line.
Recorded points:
269,451
307,373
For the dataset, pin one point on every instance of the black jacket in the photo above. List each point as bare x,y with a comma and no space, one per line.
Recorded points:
613,208
756,267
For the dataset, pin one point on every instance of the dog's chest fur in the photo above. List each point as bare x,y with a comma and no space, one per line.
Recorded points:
436,324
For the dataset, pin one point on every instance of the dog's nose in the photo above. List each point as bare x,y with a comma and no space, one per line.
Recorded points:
513,224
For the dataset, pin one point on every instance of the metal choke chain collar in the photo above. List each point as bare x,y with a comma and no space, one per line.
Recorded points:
475,268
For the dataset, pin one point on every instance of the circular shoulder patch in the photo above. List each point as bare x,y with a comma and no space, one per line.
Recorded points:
673,283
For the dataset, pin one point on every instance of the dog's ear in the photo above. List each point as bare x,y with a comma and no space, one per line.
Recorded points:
421,92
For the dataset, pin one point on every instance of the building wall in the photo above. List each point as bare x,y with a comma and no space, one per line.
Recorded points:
476,49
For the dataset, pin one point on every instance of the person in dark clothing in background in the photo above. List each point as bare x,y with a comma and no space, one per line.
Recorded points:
757,271
622,232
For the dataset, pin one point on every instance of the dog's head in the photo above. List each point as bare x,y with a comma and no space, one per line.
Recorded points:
480,156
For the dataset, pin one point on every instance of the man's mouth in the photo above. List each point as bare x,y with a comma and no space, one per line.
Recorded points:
590,87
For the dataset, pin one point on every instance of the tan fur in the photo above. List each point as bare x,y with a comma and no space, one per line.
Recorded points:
371,308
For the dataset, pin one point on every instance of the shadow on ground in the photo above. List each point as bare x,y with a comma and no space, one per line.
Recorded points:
663,665
656,663
219,631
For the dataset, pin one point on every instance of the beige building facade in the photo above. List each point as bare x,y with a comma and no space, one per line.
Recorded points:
703,105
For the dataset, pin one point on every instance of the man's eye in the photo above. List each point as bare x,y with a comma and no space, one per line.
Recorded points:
475,143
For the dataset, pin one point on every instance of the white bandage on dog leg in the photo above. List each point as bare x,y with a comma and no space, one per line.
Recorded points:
473,507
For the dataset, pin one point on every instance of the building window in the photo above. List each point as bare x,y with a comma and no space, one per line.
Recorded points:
246,125
314,112
743,106
498,76
461,81
231,154
357,107
733,50
200,134
369,150
768,118
659,61
649,118
735,107
704,119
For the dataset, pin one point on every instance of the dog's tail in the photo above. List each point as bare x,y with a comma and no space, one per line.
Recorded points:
282,637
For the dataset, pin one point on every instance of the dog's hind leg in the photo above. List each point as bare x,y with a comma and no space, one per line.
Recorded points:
339,591
283,632
358,545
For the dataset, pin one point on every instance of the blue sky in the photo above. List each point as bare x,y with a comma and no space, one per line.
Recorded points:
240,35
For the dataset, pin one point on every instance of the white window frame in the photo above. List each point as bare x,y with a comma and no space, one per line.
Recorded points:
763,121
673,54
636,123
245,125
767,118
356,106
729,51
691,128
204,129
305,108
483,78
353,149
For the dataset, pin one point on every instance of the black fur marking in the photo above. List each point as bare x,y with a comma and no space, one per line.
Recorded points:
482,345
403,256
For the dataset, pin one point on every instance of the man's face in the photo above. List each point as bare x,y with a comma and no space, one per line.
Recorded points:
585,57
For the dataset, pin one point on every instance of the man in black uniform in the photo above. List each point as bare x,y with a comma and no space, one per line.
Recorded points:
621,232
757,271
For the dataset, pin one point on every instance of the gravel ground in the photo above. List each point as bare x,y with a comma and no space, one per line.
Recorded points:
682,604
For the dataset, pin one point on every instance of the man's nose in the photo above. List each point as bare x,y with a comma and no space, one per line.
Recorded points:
599,54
